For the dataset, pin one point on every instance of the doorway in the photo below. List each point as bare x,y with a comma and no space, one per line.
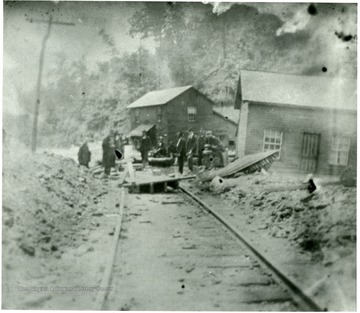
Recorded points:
310,152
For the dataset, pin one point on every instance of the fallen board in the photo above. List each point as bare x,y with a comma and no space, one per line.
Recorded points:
248,164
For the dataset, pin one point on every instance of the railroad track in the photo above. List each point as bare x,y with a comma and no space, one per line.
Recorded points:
304,302
233,271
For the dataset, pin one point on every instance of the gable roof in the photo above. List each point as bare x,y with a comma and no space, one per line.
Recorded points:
300,90
228,113
158,97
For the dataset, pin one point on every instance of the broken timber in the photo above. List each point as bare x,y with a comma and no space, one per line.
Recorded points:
249,164
156,185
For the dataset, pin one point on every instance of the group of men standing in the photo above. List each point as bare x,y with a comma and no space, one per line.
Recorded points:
194,145
113,141
184,150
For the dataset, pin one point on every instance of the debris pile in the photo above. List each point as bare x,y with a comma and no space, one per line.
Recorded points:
317,222
46,200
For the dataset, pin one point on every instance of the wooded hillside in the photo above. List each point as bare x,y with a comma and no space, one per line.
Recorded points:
193,46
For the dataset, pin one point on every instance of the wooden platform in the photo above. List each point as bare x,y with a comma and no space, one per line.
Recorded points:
156,185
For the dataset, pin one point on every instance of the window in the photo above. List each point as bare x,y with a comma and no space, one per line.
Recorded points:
137,116
339,153
273,141
159,115
191,114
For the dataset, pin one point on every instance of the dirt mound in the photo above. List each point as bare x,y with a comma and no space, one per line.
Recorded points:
45,200
323,222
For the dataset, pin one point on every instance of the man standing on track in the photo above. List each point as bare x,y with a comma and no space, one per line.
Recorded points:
200,146
108,147
190,149
181,151
145,146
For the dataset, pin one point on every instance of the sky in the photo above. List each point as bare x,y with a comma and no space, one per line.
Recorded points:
22,38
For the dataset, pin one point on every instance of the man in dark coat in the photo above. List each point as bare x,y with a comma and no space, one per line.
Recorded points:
181,151
200,146
215,145
145,146
119,143
171,150
108,147
161,149
84,155
190,149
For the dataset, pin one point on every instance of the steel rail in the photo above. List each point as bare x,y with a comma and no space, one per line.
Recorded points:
102,294
300,298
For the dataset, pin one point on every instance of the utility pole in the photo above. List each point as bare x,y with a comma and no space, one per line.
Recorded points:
50,22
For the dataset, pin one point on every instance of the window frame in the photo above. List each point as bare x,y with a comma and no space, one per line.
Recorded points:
274,138
159,114
192,114
337,146
137,116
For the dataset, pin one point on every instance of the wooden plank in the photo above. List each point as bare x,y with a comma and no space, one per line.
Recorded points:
100,297
239,165
123,176
131,172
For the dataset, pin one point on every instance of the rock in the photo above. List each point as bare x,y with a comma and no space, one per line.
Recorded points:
54,248
318,205
239,174
9,221
40,175
190,269
256,203
82,180
28,249
264,172
37,299
299,209
98,214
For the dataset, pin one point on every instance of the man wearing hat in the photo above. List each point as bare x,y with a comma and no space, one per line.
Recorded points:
200,146
190,149
108,147
161,149
181,151
145,146
84,154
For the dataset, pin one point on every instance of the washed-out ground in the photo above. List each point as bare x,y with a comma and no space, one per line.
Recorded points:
312,238
58,223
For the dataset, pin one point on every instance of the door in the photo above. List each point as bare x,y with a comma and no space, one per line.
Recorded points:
310,152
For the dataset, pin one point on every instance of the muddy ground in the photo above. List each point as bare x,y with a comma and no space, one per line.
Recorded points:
58,224
314,235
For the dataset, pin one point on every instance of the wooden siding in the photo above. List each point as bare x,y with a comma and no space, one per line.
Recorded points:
175,115
222,128
293,122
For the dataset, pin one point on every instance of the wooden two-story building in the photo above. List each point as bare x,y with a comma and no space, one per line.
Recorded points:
311,120
166,112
